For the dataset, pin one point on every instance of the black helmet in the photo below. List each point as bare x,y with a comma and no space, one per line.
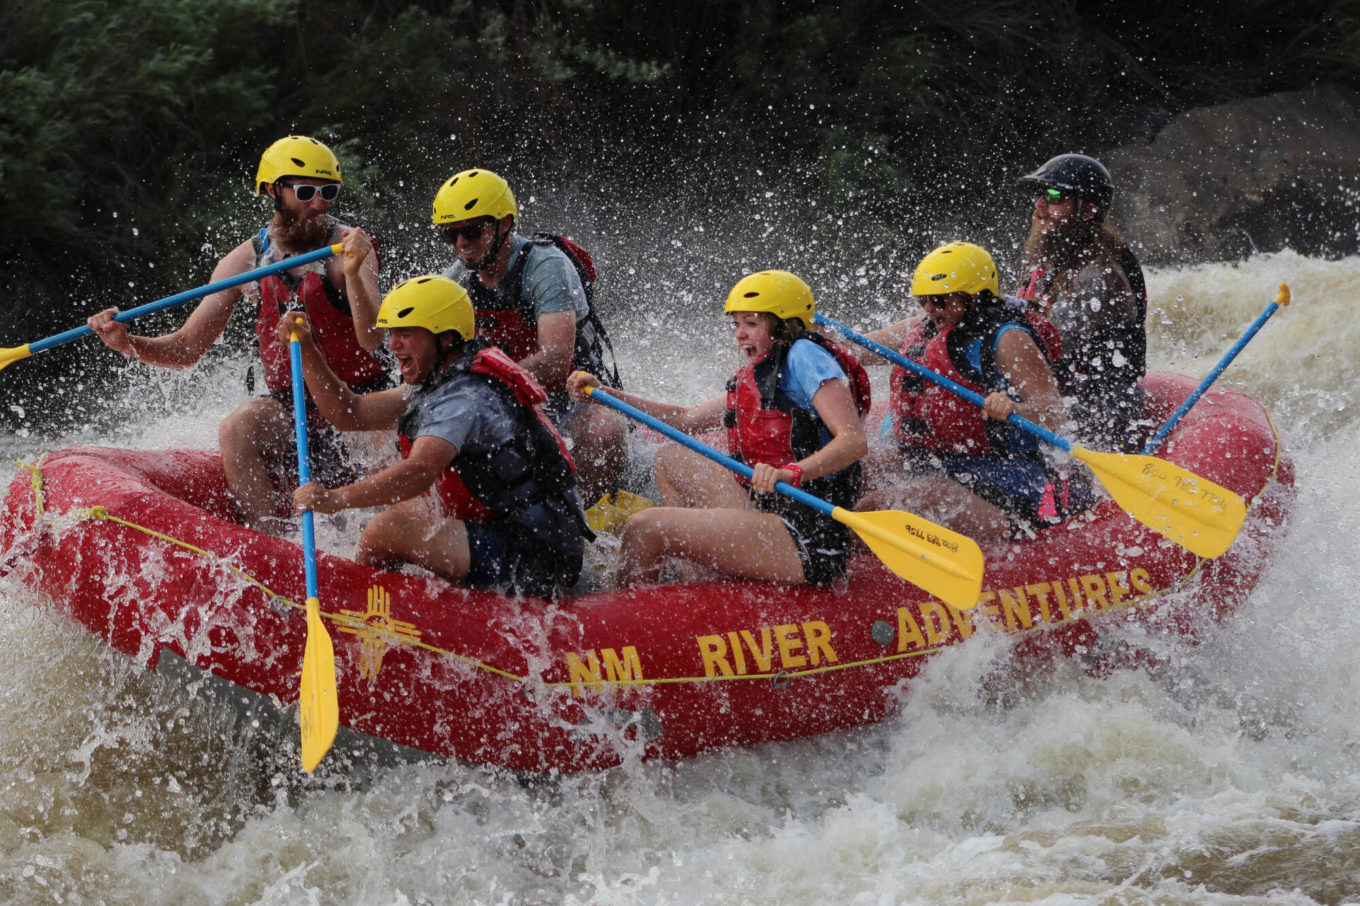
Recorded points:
1083,176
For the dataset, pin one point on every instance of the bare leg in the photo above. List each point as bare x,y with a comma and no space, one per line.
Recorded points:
411,532
945,501
257,440
600,447
736,542
687,479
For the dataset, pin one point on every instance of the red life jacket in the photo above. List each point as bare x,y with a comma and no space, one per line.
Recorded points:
764,424
332,327
476,491
1034,287
927,416
509,319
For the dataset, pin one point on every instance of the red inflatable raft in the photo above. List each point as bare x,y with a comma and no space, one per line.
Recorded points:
139,547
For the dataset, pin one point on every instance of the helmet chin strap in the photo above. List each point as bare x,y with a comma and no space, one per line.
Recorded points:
445,354
489,259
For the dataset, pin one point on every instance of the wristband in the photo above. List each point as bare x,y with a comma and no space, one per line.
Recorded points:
797,471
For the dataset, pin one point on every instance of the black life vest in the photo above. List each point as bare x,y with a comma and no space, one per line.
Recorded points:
505,479
508,319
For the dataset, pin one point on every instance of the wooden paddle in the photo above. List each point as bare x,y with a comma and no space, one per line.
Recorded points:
943,563
1160,437
1197,514
317,698
14,353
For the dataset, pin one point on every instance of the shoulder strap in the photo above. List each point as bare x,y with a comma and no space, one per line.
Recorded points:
585,270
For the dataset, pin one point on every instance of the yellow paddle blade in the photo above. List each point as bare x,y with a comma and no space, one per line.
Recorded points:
13,354
1197,514
612,510
320,710
944,563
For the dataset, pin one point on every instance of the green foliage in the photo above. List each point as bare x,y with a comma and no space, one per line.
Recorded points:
100,102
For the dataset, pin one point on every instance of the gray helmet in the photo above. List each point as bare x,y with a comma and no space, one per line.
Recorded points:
1083,176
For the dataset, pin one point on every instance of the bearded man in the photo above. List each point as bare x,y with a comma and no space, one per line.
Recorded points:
340,297
1082,276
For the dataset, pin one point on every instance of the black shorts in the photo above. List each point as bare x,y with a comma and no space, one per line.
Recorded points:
542,560
823,543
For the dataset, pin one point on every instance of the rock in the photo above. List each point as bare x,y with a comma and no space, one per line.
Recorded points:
1221,182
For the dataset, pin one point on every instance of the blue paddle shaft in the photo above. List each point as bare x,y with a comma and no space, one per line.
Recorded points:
897,358
1160,437
304,464
703,449
76,333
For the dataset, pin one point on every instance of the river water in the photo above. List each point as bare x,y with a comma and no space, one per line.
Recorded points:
1233,779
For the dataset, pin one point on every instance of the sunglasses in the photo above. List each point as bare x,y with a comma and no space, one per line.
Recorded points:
470,233
1050,195
935,301
305,193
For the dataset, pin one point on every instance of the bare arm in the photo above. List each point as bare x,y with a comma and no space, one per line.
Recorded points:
705,416
393,484
890,336
1024,366
359,270
342,407
196,335
836,405
556,345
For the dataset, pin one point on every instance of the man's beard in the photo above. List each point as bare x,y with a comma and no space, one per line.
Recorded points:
1061,247
301,234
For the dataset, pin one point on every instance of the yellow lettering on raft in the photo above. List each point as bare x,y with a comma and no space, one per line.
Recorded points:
936,622
818,636
908,632
1093,587
1119,587
793,645
930,624
587,671
764,653
622,668
987,606
1040,591
1016,609
790,640
713,650
606,666
737,653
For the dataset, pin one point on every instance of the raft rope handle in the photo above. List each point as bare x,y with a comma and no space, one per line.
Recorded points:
355,624
344,621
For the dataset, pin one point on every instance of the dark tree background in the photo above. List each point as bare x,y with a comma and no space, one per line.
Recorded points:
130,130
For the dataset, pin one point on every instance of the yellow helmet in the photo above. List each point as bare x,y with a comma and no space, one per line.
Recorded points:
959,267
473,194
296,155
778,292
433,302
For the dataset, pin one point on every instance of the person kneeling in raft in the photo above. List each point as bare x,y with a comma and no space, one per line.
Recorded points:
471,426
793,414
969,469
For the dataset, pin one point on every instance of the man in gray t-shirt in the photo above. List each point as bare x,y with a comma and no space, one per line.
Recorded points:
529,301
